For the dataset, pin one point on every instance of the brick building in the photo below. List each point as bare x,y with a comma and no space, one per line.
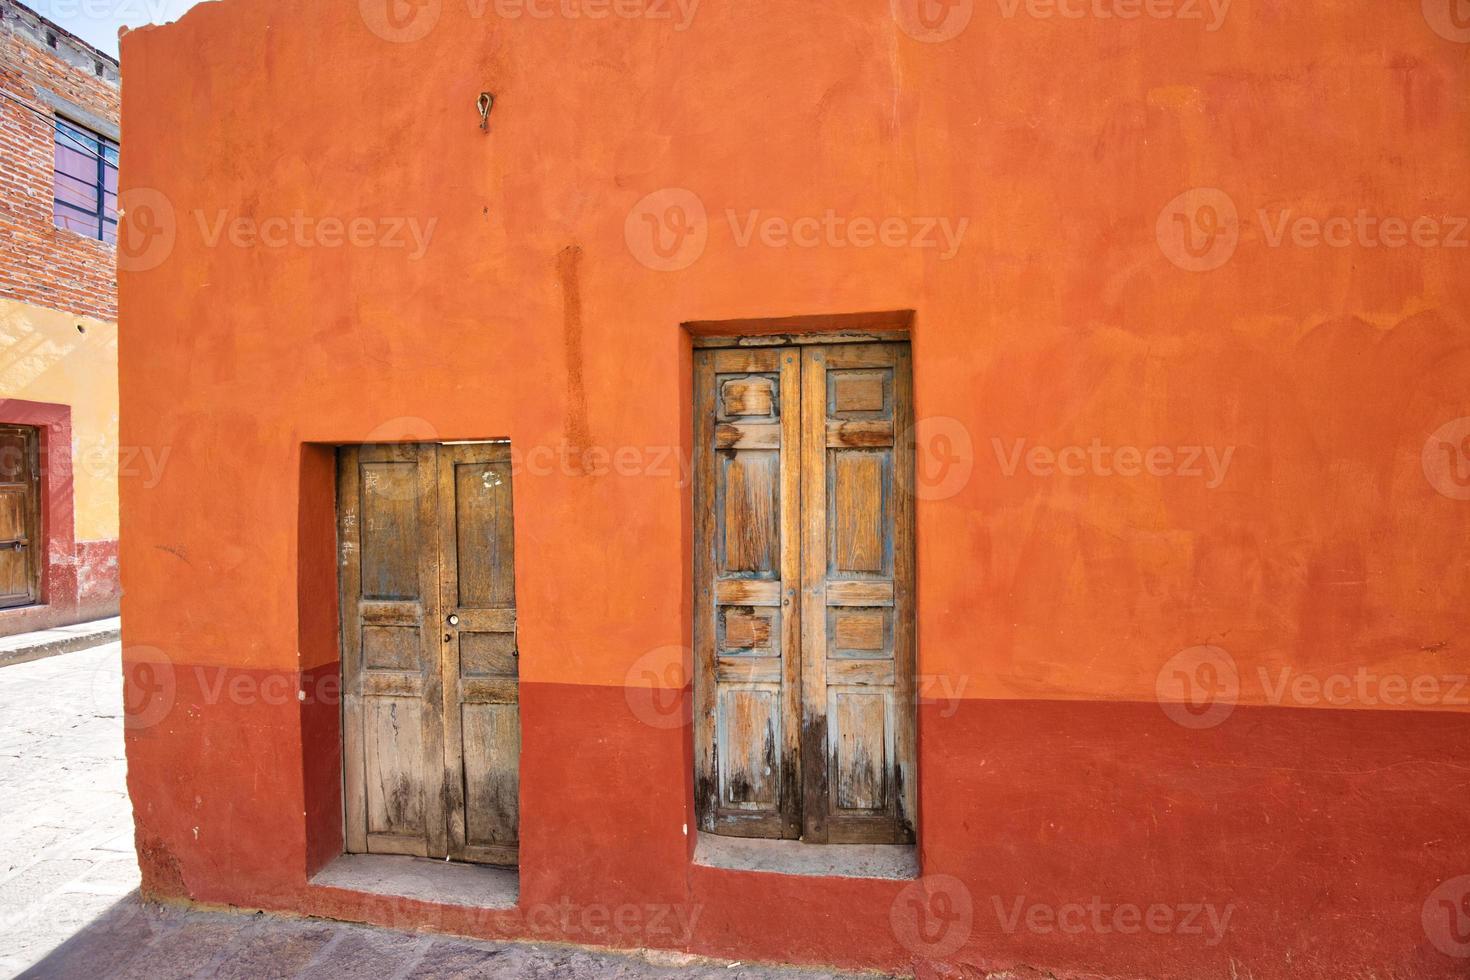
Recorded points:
59,456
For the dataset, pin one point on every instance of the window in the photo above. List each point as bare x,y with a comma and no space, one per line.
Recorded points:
86,182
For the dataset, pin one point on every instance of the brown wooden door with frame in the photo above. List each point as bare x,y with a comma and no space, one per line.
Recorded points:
804,640
20,516
431,727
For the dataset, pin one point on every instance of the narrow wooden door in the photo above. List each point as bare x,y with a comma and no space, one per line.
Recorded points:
747,633
858,687
804,655
393,729
20,516
482,702
431,727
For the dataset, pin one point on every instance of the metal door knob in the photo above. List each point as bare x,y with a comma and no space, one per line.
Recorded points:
453,620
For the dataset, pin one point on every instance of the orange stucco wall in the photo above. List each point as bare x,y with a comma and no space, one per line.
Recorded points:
1325,385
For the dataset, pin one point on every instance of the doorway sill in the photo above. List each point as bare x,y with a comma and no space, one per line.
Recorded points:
474,886
897,862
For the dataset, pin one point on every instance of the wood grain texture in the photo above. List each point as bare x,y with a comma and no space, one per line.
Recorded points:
748,396
393,738
480,657
814,548
747,682
855,398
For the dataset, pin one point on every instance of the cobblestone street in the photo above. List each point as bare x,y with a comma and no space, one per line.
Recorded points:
68,873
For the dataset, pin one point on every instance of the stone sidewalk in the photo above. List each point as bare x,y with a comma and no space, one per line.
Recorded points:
68,874
135,941
66,855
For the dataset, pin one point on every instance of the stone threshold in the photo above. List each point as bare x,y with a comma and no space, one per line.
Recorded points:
438,882
897,862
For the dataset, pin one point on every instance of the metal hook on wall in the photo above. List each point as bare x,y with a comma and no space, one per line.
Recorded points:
485,103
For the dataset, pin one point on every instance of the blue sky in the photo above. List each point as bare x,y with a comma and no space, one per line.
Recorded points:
97,21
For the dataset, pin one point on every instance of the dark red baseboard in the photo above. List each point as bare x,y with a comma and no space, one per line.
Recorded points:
1286,843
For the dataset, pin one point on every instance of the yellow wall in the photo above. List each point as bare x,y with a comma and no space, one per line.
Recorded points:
44,357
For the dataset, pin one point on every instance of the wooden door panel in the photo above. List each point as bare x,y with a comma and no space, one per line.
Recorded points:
858,691
859,514
12,513
395,648
394,768
862,746
749,727
482,695
748,490
747,622
391,536
484,531
492,751
392,692
13,558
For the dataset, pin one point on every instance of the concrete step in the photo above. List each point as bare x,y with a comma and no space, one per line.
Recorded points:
24,647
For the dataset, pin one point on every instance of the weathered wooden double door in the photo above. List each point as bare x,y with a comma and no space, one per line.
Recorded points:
804,602
431,719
